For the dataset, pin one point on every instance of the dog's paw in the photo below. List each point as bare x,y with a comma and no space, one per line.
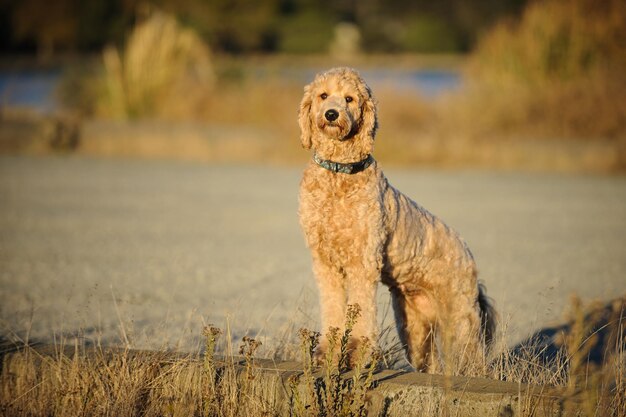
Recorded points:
358,352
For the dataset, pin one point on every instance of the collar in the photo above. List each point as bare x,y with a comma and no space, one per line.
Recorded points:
347,168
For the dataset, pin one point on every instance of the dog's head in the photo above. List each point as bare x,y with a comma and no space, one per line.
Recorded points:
338,115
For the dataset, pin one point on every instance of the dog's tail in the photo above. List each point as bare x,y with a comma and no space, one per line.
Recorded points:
488,316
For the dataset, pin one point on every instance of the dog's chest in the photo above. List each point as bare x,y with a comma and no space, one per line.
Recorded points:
337,217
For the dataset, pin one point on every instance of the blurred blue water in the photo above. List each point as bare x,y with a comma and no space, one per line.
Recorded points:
428,83
36,89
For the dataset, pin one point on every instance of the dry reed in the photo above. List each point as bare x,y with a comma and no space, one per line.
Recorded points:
161,64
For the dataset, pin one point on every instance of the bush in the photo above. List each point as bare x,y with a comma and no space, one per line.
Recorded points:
557,72
556,40
161,63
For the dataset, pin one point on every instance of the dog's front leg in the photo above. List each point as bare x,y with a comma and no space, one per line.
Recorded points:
332,293
362,287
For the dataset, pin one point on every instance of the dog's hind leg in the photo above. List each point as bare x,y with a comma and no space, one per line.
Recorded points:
464,348
416,326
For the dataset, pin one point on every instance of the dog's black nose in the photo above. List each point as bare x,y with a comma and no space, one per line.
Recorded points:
331,115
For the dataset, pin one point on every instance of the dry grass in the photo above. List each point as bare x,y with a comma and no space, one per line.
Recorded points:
92,381
99,382
332,393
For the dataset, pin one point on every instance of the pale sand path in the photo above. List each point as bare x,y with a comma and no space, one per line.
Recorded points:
176,243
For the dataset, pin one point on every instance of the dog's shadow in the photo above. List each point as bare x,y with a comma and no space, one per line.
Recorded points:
597,332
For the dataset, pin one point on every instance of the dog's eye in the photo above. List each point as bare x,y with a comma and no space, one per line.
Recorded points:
324,96
349,99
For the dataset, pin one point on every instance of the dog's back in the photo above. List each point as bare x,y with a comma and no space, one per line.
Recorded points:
419,243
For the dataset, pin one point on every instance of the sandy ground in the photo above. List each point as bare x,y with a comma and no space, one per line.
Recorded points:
146,252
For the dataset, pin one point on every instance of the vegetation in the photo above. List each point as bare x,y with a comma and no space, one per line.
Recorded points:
541,91
558,72
98,382
161,63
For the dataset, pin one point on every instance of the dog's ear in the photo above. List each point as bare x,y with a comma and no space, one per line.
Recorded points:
304,118
369,118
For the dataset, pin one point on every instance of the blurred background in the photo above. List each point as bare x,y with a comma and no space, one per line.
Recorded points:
513,84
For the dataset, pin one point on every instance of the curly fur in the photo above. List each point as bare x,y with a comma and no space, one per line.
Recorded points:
361,231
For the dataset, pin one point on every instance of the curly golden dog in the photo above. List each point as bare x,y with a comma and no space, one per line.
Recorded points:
361,230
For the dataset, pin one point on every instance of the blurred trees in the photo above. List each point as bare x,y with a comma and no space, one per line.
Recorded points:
261,26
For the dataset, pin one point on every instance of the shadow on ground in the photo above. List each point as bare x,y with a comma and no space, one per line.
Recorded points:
597,332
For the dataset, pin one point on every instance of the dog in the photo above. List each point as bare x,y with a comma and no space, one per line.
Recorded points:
362,231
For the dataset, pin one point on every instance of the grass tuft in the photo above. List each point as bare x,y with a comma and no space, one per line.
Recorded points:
331,391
